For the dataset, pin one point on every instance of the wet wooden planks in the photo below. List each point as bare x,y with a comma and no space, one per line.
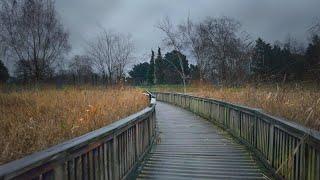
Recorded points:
190,147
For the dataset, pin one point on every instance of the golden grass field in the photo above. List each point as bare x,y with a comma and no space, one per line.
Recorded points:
32,120
294,102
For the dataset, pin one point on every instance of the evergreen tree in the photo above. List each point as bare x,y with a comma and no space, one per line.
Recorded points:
159,68
4,74
194,72
296,67
279,61
151,71
262,62
276,62
139,73
172,67
313,57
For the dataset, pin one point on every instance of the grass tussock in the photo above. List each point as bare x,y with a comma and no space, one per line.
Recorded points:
294,102
33,120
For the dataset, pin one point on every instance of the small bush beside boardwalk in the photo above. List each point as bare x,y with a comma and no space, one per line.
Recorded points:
298,102
37,118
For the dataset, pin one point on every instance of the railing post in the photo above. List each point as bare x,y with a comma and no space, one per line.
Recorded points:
154,122
218,119
198,106
271,142
302,153
149,129
240,123
59,172
115,158
137,141
210,110
255,131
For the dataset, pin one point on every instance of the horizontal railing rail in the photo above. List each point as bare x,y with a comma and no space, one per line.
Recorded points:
112,152
289,150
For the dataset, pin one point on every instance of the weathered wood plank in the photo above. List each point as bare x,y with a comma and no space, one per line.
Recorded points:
185,147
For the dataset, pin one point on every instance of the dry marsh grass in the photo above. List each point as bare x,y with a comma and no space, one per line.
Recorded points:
32,120
294,102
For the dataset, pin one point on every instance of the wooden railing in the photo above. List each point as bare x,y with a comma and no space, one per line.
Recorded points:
289,150
112,152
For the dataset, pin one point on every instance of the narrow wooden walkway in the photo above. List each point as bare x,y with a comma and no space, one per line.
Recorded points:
190,147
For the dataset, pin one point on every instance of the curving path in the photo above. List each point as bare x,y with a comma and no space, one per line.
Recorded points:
190,147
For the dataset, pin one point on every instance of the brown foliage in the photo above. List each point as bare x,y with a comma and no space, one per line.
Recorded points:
33,120
295,102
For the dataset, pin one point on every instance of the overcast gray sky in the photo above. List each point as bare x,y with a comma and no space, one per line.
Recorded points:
269,19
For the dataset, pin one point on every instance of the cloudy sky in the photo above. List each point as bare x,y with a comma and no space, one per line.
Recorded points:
269,19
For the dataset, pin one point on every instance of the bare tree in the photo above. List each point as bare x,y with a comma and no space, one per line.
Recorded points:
293,45
33,34
81,68
111,52
175,40
225,46
123,55
191,40
221,50
315,28
100,50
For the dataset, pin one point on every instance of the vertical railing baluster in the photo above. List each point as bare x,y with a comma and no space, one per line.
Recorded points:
110,160
59,172
302,154
115,170
271,142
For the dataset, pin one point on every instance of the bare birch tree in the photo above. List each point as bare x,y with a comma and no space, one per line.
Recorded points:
174,39
111,52
191,40
123,54
221,50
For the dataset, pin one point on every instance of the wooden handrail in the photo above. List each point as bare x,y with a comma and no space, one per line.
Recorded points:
289,150
111,152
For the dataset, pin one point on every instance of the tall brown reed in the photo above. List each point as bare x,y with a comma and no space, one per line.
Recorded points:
295,102
33,120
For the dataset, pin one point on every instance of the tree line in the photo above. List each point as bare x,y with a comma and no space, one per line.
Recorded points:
34,40
33,37
162,69
286,62
225,54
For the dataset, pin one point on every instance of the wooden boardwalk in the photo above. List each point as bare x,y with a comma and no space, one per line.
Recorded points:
190,147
